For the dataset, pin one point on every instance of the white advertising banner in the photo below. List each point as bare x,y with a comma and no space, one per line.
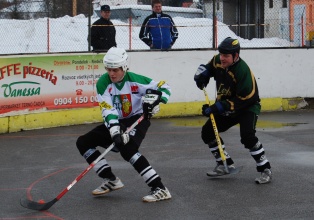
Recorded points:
48,82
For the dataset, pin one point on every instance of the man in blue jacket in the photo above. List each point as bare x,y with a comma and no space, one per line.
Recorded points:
158,30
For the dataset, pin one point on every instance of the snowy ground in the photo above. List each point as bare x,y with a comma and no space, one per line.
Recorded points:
68,34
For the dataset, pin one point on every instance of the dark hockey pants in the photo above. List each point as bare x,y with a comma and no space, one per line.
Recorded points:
247,121
100,136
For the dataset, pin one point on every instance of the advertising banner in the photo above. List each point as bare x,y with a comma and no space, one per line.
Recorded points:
43,82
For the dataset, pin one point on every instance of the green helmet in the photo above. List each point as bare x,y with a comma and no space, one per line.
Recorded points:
229,46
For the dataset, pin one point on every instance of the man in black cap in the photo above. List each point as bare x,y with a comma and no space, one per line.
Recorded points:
103,33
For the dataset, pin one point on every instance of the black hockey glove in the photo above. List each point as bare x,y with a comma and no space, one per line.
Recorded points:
118,137
213,109
201,77
151,103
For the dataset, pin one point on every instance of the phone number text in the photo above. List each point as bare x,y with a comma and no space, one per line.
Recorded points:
76,100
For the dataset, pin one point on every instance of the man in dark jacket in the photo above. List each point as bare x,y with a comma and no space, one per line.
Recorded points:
103,33
158,30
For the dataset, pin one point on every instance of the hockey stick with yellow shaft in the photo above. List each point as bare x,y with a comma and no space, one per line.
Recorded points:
221,151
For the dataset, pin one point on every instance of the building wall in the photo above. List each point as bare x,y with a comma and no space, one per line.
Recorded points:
307,18
276,20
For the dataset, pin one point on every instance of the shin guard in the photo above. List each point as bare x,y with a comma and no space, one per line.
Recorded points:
101,168
142,166
215,151
258,153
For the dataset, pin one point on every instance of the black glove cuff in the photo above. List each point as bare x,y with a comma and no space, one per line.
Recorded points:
214,109
115,124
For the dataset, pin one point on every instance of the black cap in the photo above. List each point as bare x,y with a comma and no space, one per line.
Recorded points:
105,8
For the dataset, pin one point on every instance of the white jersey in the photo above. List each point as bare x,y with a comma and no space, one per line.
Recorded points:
124,99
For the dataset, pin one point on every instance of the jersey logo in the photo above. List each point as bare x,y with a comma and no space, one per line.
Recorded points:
223,91
123,103
134,89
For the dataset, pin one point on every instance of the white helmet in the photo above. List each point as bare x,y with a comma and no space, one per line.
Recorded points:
115,58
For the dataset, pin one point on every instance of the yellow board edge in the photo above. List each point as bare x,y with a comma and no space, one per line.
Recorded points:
69,117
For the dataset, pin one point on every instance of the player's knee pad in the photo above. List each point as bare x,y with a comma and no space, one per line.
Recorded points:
91,154
213,143
127,153
207,132
81,145
207,138
258,145
134,158
249,142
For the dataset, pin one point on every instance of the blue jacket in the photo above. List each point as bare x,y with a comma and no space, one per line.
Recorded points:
159,30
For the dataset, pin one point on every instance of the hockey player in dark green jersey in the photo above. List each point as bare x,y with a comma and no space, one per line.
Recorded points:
237,102
123,97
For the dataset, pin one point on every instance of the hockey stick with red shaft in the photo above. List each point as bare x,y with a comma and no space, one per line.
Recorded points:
44,206
221,151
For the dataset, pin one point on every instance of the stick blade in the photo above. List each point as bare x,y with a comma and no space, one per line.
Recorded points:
36,205
236,170
231,171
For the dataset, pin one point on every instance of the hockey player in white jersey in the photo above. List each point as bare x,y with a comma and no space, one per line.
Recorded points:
124,97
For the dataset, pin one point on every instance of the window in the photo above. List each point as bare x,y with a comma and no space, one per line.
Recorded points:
271,3
284,3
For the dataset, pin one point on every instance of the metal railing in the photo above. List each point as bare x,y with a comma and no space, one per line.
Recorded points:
290,26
